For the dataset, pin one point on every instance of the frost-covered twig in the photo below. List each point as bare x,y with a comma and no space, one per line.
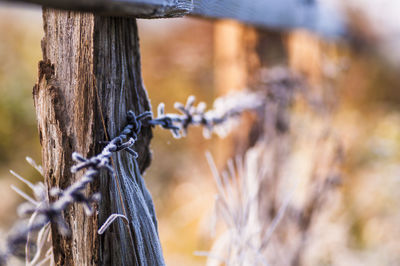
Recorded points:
236,204
24,232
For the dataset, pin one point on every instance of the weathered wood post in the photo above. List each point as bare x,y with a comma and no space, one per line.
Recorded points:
90,76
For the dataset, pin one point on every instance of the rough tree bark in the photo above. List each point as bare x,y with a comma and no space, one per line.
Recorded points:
88,79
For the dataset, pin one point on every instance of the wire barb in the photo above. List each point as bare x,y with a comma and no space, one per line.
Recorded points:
214,120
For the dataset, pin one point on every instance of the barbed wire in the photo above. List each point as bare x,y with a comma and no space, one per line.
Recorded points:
46,212
51,212
217,120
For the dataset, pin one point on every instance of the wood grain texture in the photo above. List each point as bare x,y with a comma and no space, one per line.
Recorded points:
134,8
282,14
90,69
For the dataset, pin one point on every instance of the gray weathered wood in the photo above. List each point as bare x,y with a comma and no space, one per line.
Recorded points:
278,14
89,78
135,8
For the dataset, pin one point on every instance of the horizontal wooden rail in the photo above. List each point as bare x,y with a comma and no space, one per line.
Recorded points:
348,19
282,14
134,8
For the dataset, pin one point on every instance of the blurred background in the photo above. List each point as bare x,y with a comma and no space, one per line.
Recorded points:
351,93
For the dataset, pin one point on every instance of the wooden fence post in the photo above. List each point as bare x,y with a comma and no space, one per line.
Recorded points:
88,79
315,141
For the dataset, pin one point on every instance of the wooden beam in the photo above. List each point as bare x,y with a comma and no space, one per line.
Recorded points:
134,8
282,14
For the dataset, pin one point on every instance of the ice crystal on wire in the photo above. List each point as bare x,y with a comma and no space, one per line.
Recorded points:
219,119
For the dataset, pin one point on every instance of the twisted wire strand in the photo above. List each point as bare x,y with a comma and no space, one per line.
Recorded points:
51,212
214,120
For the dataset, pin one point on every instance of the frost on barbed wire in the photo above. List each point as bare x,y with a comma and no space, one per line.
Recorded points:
220,119
43,213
